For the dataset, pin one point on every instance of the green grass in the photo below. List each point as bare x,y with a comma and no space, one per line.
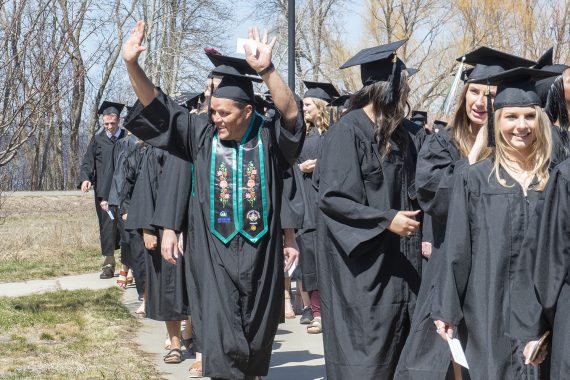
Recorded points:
70,335
49,265
48,236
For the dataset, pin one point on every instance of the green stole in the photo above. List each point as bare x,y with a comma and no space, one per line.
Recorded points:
237,186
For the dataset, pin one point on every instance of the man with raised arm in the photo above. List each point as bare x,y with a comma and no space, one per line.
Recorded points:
235,242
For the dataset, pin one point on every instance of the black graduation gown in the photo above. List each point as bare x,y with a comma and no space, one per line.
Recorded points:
165,300
171,211
368,276
307,235
97,167
488,223
560,145
241,284
425,354
545,303
128,157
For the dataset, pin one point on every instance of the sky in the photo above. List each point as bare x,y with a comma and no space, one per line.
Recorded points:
351,19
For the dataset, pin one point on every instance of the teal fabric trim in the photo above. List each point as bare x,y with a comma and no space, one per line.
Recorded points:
263,197
223,239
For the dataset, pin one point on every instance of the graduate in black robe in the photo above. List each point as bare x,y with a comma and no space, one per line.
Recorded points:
236,241
544,303
127,161
369,243
440,161
318,117
490,209
97,171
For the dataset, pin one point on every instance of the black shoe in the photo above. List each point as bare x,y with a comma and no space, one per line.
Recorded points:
307,316
107,272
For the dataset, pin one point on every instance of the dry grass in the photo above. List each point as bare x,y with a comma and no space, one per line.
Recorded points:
47,236
70,335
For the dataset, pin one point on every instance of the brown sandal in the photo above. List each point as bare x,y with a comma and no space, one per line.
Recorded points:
315,327
195,370
174,356
122,280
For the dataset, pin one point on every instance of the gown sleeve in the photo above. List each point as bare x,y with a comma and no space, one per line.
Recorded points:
87,170
289,143
174,187
342,193
435,176
450,292
164,124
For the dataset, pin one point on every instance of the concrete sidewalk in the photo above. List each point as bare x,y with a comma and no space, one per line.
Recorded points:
82,281
296,354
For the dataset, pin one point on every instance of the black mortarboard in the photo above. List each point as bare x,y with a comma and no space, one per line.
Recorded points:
379,64
545,63
108,108
489,62
411,71
419,118
321,90
237,77
341,101
439,124
187,99
516,87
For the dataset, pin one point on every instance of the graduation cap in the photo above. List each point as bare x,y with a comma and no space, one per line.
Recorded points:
545,63
342,101
321,90
489,62
109,108
237,77
515,88
419,118
380,64
411,71
187,99
439,124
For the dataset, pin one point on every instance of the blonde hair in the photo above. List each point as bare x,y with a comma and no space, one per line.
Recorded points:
323,118
541,149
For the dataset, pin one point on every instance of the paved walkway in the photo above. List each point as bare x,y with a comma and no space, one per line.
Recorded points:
296,354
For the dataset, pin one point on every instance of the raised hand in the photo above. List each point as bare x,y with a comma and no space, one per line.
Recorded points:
260,59
133,49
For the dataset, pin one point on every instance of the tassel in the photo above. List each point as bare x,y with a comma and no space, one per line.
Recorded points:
393,83
490,119
451,94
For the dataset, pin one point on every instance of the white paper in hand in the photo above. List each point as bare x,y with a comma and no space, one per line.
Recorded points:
457,352
292,269
245,41
110,214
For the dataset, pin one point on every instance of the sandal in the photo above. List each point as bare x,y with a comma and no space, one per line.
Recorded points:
189,344
141,310
195,370
315,327
174,356
130,278
122,280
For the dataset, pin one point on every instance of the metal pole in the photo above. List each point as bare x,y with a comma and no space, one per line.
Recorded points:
291,44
